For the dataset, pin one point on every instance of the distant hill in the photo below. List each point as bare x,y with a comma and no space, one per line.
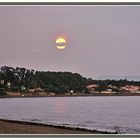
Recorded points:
128,77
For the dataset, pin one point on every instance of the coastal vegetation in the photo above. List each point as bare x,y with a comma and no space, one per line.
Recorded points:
17,79
24,80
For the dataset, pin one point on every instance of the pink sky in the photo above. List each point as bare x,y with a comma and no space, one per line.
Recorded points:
101,40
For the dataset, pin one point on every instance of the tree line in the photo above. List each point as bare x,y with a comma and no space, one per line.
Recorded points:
58,82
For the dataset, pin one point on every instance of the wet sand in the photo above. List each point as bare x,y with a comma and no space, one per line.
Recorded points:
9,127
20,127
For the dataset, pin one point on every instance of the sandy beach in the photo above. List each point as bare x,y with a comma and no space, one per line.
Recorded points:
17,127
22,127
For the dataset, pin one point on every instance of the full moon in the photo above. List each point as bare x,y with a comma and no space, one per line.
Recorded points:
60,43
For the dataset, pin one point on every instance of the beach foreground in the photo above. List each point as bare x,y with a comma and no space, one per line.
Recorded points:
20,127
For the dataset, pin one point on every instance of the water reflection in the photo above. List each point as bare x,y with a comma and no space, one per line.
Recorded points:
101,113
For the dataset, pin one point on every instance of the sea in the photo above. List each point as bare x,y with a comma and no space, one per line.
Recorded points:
103,113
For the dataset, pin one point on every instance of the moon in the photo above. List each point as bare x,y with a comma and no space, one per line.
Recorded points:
60,43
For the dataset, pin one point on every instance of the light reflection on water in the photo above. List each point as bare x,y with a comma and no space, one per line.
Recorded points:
102,113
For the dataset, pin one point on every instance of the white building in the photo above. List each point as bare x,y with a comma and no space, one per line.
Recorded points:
8,84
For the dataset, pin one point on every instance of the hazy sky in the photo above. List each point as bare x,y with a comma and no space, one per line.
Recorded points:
101,40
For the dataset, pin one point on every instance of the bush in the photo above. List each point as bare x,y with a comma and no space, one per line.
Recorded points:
2,93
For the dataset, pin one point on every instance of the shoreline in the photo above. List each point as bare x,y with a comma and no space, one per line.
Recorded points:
37,96
24,127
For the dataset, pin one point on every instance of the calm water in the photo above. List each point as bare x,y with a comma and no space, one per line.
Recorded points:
100,113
